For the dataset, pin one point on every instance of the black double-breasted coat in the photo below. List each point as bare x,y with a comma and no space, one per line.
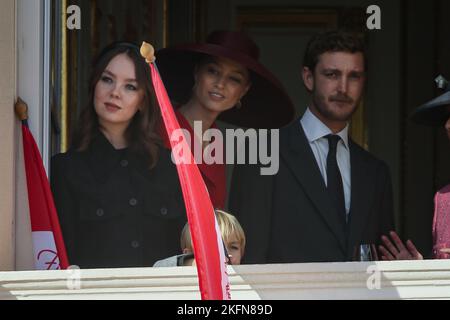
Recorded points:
113,210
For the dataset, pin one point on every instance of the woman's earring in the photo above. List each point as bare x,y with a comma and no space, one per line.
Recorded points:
239,104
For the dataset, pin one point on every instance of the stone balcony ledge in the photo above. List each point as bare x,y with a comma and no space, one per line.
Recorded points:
429,279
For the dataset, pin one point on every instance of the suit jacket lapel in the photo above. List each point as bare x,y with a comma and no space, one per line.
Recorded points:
360,196
297,153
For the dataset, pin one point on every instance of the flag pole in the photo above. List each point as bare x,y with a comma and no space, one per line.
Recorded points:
205,233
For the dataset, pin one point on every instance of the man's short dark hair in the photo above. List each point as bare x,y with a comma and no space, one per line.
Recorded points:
331,41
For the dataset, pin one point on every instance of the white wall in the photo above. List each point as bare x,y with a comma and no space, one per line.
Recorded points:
30,68
7,132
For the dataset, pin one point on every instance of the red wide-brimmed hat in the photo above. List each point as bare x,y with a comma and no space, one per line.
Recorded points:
266,104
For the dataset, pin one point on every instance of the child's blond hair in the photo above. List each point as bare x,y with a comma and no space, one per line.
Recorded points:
229,227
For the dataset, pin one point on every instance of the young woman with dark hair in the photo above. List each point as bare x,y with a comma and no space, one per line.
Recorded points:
116,189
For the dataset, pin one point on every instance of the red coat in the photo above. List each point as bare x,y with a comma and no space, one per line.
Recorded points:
214,175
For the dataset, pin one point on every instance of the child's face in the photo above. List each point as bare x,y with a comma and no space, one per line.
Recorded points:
234,249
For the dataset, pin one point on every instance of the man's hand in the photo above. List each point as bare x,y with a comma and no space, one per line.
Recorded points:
397,250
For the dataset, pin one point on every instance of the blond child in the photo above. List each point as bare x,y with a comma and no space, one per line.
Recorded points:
233,237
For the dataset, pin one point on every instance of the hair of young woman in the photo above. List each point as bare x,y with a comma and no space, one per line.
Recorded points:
141,134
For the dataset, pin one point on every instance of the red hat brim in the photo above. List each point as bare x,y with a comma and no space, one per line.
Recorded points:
266,104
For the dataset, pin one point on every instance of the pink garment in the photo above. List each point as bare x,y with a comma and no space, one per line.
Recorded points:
441,223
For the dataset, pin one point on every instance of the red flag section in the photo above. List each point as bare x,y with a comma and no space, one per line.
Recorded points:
206,237
49,249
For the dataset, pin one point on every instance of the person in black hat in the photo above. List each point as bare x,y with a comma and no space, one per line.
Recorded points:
221,79
329,195
435,113
116,189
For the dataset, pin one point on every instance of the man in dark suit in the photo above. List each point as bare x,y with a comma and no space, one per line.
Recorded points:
329,194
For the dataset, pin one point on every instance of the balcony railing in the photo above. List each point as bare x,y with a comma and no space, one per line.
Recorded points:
429,279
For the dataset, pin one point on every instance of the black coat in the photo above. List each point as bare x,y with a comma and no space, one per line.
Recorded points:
113,210
289,217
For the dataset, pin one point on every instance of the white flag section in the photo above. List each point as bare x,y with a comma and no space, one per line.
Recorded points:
45,253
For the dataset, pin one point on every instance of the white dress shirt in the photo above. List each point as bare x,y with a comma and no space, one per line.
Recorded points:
316,132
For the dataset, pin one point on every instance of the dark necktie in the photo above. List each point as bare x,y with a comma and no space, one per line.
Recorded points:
334,178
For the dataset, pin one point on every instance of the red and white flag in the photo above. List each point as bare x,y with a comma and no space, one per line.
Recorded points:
206,236
48,246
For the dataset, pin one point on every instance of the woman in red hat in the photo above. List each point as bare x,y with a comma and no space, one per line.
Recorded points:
221,79
435,113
